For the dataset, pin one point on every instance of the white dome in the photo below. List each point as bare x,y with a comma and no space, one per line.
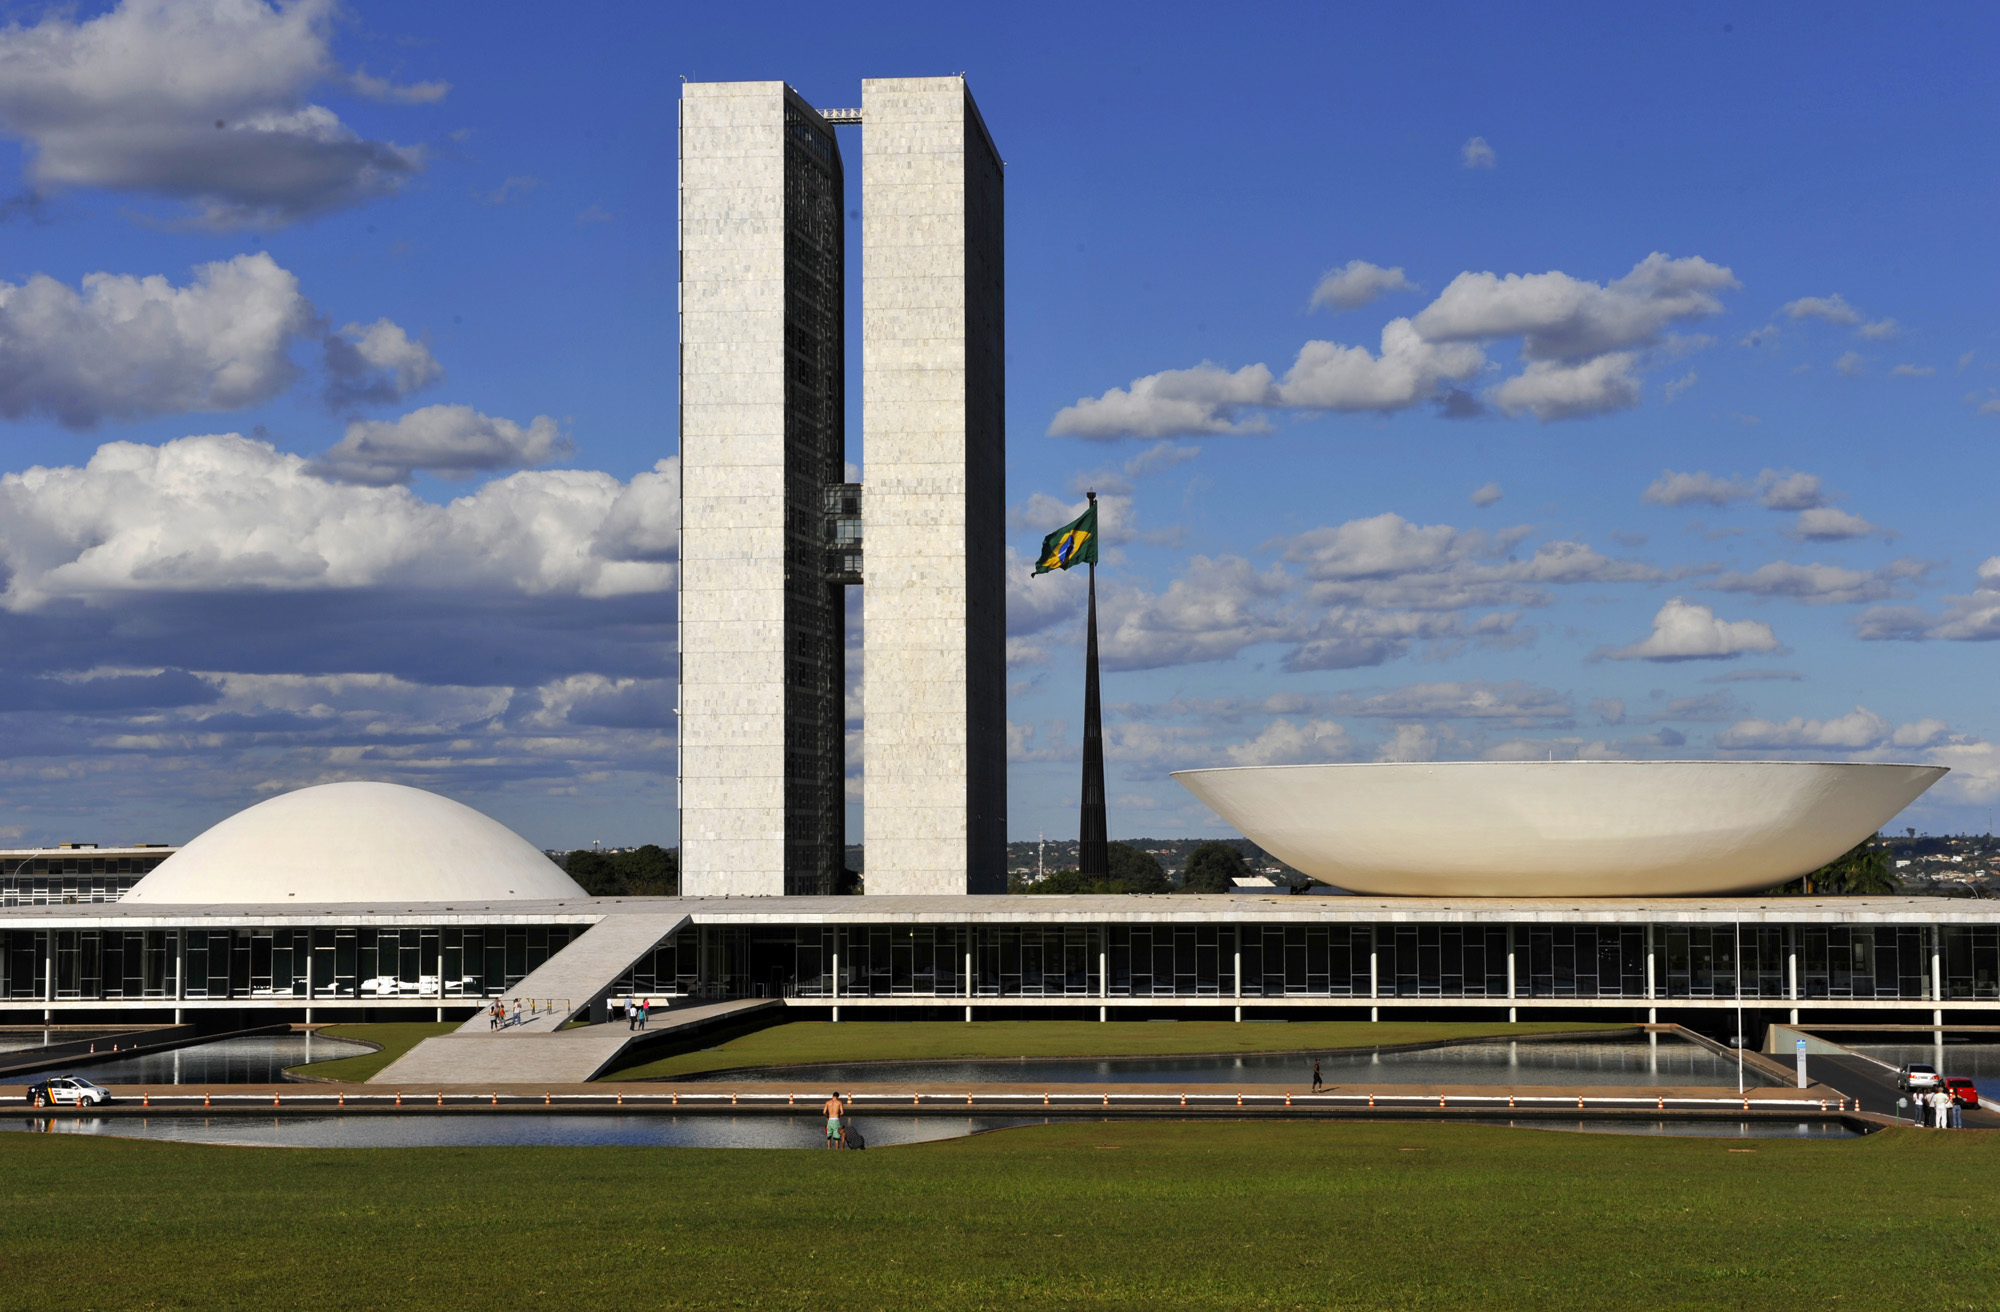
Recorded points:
355,842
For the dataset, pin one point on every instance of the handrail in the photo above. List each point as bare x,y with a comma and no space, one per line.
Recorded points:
431,1097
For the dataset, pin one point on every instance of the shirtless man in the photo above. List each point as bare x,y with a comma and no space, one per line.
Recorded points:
834,1110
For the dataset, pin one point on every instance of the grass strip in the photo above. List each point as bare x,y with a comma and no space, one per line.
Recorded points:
816,1042
396,1038
1082,1216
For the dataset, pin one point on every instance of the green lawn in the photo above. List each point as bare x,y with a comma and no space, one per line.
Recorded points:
812,1042
1143,1216
396,1039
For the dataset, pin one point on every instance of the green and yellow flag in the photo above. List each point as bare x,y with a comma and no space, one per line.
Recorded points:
1075,543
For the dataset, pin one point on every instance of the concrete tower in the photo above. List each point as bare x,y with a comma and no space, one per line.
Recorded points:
934,424
762,631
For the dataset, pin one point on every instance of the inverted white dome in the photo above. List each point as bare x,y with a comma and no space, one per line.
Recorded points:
355,842
1559,828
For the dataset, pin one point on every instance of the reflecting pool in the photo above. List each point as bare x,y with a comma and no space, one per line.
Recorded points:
517,1129
15,1038
254,1060
543,1130
1620,1060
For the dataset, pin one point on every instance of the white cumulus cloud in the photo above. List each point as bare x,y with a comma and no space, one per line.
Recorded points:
1818,584
1559,389
129,348
1564,318
454,441
1830,524
376,363
198,101
1288,742
122,347
1357,283
1832,309
1476,154
1583,342
1674,489
226,514
1173,403
1684,631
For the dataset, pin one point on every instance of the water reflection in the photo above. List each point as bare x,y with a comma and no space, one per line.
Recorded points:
254,1060
543,1130
514,1129
1640,1062
17,1038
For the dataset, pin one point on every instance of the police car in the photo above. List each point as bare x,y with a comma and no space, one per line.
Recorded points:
69,1091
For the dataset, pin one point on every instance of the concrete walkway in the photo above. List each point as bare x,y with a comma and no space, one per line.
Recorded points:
568,986
580,976
527,1055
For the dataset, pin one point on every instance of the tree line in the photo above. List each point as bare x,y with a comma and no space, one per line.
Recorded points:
1211,868
649,871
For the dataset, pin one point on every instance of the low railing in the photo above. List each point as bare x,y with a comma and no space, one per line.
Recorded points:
1069,1101
519,1011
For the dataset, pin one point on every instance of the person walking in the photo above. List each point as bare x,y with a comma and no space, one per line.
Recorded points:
834,1109
1318,1082
645,1011
631,1016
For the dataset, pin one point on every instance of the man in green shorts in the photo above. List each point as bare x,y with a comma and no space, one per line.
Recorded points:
834,1110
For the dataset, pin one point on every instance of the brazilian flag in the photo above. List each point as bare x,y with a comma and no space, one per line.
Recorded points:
1075,543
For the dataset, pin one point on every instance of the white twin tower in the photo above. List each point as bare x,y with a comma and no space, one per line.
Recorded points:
771,528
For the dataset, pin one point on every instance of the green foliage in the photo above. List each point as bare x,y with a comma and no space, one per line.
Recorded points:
1133,870
1213,868
395,1038
1154,1215
649,871
1861,871
1140,870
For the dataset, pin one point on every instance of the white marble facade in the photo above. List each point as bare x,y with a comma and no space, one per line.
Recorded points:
933,424
933,419
732,599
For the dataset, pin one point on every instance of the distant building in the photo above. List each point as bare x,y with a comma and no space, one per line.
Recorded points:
74,872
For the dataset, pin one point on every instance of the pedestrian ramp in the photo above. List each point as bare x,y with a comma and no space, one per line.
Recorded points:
530,1056
576,979
568,986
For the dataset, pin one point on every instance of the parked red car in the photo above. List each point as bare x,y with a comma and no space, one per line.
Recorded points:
1962,1089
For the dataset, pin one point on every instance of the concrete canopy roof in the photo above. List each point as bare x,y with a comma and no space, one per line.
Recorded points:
355,842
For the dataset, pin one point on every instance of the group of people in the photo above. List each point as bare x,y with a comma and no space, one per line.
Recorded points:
498,1017
1939,1109
637,1012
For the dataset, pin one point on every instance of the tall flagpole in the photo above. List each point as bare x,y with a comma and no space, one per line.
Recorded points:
1093,855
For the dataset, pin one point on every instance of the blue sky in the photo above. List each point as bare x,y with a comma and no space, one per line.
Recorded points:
1459,383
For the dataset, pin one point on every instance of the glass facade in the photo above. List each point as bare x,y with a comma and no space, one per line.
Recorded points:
338,962
81,876
1634,962
1639,963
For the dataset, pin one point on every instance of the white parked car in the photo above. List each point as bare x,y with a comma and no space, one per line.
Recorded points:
69,1091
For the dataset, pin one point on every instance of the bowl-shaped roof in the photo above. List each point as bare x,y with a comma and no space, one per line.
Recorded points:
1559,828
355,842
